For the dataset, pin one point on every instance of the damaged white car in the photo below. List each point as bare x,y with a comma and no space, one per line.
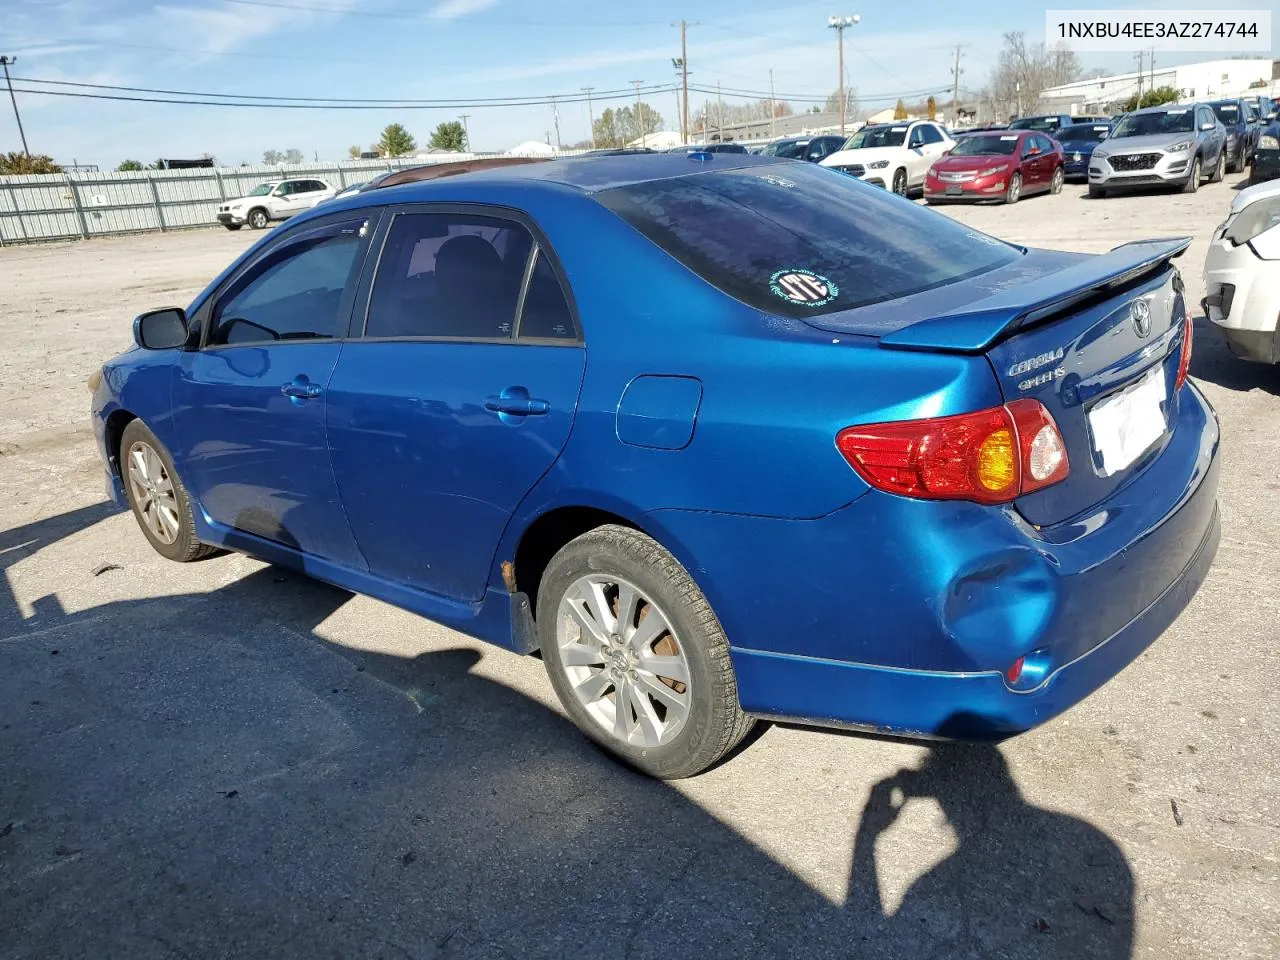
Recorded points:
1242,274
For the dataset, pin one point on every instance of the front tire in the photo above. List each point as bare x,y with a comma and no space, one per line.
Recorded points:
1014,190
1193,179
1220,168
636,654
258,219
900,182
1097,193
157,496
1059,178
233,226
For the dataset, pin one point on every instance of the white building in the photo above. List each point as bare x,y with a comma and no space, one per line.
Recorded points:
1208,80
661,140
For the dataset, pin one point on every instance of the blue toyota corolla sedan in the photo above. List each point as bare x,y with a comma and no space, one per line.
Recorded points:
723,437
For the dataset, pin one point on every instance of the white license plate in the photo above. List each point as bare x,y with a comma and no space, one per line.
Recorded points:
1125,426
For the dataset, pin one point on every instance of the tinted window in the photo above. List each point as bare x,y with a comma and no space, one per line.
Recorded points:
775,237
930,134
1083,133
986,145
1228,113
1043,124
1178,120
448,275
294,294
546,312
791,150
886,136
1044,143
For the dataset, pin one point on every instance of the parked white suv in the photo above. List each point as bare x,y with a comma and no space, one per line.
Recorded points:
273,200
893,155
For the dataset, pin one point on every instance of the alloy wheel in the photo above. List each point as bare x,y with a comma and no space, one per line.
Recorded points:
623,661
1055,185
153,492
900,183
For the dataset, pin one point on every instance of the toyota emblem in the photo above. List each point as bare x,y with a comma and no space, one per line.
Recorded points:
1140,314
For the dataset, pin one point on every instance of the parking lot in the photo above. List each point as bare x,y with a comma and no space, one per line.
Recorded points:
225,759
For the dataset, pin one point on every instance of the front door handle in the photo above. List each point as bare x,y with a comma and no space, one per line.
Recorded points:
516,402
300,388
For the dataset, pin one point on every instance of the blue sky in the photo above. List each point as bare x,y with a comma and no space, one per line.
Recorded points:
461,49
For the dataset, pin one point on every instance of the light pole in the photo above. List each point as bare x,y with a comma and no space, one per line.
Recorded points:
591,116
838,24
4,62
639,119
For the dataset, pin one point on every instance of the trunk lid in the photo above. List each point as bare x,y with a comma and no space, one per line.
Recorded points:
1072,338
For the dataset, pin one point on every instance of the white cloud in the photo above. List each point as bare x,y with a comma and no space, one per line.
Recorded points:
456,9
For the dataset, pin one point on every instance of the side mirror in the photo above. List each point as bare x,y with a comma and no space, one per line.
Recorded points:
1207,126
1270,117
946,152
164,329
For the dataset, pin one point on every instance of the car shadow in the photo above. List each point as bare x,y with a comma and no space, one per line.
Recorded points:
226,773
1212,360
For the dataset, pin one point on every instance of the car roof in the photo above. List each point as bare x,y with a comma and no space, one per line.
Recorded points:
1166,107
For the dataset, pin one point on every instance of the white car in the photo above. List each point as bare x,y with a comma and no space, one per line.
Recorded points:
273,200
1242,274
893,155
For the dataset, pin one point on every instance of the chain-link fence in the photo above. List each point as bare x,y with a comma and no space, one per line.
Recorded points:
68,206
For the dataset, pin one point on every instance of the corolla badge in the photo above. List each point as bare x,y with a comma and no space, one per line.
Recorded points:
1140,315
1038,362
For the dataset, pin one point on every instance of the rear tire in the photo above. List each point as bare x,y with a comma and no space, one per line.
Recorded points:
1220,168
598,642
1014,190
1056,182
900,182
1193,178
1098,193
158,497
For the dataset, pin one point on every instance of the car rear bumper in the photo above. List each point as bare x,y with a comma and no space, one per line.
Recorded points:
897,614
1266,166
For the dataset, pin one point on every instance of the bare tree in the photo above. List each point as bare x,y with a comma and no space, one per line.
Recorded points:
1023,70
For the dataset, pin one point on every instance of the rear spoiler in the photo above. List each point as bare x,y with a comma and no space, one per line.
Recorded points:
978,326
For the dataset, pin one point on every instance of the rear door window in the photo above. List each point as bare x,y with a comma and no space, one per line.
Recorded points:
800,240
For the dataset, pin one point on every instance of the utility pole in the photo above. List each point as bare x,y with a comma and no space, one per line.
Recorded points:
773,107
555,114
955,84
683,66
466,132
1152,67
639,119
838,24
719,114
591,116
1139,55
5,61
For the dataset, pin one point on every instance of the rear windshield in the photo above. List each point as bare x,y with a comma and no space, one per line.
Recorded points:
801,240
1181,120
1040,124
877,137
983,145
1084,133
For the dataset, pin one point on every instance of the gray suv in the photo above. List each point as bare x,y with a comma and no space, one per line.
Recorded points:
1173,144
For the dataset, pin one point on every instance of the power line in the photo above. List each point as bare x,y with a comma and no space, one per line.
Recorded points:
497,101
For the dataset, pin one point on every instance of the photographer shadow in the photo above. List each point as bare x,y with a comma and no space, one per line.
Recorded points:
1022,881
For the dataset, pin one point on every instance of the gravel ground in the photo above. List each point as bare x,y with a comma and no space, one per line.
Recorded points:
223,759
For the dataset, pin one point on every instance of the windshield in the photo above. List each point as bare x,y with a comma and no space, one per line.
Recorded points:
1083,133
986,145
1228,113
261,190
888,136
1039,124
789,149
799,240
1181,120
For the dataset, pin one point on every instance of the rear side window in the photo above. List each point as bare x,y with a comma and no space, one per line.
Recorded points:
456,276
800,240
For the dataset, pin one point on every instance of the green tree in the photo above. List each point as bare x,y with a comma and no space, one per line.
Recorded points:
900,111
158,165
449,135
130,165
293,155
931,107
1152,98
608,131
641,121
16,162
396,141
354,151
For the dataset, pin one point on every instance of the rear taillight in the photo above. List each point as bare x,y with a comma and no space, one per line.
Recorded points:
1184,360
991,456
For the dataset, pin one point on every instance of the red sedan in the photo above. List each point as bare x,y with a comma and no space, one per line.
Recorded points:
997,166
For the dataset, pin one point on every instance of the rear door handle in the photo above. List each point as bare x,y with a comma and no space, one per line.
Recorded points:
516,402
300,388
